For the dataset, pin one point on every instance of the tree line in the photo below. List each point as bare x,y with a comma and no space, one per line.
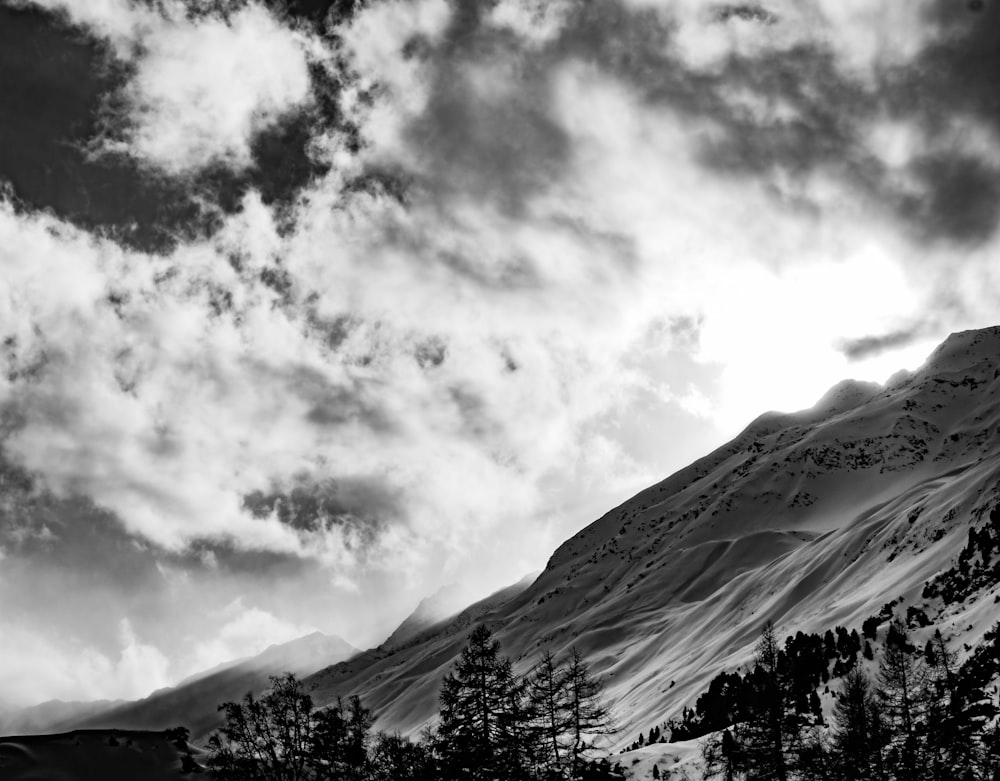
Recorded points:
920,716
492,724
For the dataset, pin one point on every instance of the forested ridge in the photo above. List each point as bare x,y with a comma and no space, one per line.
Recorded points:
891,702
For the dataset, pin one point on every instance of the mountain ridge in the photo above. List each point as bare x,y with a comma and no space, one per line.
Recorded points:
811,519
803,517
194,701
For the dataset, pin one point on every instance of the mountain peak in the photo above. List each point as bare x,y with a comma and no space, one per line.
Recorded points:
843,397
812,519
964,350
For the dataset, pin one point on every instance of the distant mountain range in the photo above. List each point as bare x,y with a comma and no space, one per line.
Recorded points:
194,702
809,519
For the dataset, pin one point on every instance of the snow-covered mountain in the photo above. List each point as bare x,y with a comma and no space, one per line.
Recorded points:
194,702
810,519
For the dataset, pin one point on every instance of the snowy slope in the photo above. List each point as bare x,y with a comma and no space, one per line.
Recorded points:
810,519
194,702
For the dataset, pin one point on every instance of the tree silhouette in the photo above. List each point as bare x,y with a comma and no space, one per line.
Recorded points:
589,714
764,735
395,758
339,737
549,693
902,690
266,738
856,735
481,720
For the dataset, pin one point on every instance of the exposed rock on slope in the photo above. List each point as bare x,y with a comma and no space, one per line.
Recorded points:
811,519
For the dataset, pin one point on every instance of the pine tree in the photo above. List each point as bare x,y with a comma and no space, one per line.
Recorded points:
549,694
764,737
520,748
953,723
902,690
722,755
340,738
481,722
589,714
855,736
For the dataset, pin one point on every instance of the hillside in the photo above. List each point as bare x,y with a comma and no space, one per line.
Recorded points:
39,718
194,702
810,519
95,755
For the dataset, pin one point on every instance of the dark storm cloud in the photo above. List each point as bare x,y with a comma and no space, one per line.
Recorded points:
359,506
61,97
505,145
868,346
749,13
957,198
954,78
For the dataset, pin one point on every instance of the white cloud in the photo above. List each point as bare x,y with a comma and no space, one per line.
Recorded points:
539,269
242,632
38,665
543,315
183,120
203,86
863,36
536,21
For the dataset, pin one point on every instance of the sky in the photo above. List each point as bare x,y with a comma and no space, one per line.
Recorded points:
309,309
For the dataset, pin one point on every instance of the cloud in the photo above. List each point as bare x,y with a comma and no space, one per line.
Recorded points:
202,87
36,665
179,121
865,346
243,632
563,260
108,126
562,202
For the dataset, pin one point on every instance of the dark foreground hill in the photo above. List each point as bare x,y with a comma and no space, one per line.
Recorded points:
94,755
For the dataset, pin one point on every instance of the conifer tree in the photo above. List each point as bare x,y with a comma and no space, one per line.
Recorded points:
953,723
722,755
549,693
520,745
855,738
481,723
902,690
339,740
589,714
764,736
